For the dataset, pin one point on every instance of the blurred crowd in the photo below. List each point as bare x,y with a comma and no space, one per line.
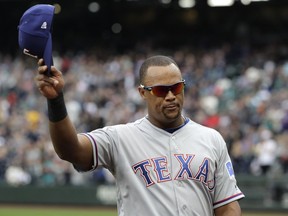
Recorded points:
240,91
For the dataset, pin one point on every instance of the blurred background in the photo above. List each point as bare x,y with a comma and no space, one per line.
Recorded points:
233,55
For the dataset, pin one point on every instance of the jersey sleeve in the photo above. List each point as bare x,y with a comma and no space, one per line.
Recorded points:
102,141
226,190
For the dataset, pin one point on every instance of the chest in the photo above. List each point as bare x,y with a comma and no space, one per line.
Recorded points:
161,158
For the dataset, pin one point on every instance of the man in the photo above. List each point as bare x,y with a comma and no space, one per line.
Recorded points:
164,163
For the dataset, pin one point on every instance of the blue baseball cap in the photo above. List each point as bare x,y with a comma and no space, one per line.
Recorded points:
34,32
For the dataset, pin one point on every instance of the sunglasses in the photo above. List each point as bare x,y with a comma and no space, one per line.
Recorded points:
162,90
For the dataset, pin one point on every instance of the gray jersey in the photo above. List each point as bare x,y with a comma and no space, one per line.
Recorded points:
188,172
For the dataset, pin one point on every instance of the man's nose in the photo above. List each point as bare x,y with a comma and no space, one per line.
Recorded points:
170,95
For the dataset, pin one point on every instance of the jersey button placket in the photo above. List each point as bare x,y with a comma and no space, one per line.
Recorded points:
174,144
175,150
181,201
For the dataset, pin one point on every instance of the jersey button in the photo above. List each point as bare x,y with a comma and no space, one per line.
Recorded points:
184,207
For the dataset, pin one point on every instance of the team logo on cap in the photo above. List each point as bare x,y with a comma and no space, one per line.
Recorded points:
26,52
44,25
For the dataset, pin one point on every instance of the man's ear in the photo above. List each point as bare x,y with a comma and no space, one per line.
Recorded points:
142,92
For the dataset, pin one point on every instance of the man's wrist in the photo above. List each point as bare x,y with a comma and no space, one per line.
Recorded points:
57,108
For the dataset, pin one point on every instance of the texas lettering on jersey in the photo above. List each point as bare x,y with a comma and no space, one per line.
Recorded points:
160,166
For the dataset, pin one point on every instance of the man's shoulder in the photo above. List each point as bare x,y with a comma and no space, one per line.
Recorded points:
200,127
128,125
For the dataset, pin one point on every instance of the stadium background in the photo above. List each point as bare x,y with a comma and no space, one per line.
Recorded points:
234,59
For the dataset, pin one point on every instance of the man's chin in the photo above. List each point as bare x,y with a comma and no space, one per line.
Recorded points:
172,115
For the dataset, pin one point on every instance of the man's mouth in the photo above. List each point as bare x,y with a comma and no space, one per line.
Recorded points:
171,106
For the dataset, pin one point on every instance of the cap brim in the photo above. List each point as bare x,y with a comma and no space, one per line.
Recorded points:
47,55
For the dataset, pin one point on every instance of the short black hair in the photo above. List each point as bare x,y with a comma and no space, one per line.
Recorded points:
158,60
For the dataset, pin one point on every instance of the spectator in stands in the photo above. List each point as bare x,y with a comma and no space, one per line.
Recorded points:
266,152
237,101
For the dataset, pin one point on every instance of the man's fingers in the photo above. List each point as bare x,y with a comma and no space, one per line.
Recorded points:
42,84
55,72
42,69
41,62
43,80
55,81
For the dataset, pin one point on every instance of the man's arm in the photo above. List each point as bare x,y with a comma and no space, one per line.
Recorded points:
68,145
231,209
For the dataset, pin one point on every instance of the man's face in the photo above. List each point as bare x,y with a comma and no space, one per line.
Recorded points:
163,111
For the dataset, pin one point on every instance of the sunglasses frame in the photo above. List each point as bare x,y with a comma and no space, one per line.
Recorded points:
150,88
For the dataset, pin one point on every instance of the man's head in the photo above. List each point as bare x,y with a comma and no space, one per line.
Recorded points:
158,60
162,87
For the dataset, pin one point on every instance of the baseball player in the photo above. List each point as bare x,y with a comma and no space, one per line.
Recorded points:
164,163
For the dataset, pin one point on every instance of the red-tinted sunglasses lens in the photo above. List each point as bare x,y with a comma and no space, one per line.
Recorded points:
162,91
